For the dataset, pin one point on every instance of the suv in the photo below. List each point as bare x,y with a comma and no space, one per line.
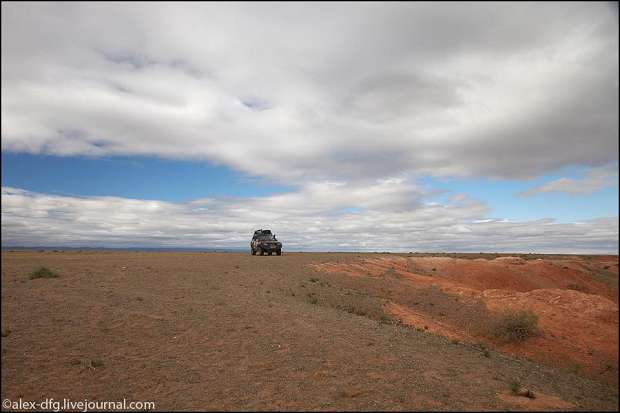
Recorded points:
264,241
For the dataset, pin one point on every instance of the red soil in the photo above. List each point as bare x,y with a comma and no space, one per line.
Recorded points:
578,313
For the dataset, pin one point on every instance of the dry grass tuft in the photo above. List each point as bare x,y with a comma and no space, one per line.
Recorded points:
43,273
515,326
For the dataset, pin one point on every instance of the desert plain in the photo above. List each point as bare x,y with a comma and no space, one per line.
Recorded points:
310,331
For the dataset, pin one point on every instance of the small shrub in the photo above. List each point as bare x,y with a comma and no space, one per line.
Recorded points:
607,366
514,326
43,273
576,287
385,320
485,350
515,386
576,368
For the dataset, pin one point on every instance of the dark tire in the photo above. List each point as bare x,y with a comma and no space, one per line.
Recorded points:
253,252
278,252
260,251
269,253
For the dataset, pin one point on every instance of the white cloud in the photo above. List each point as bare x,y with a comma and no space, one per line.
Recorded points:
345,101
304,93
306,220
595,180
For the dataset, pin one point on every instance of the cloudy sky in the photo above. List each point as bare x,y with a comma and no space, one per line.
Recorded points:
340,126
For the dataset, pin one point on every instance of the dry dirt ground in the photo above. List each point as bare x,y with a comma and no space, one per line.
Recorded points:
309,331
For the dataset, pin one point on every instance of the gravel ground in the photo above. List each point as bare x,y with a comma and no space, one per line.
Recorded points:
227,331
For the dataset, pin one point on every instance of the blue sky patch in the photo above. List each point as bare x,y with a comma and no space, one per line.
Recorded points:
502,197
129,177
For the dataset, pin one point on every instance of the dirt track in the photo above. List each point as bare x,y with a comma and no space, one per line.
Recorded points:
301,331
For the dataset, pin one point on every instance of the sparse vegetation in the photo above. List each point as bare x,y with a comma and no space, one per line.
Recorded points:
515,326
385,320
485,349
607,366
576,368
313,299
189,302
576,287
43,272
518,390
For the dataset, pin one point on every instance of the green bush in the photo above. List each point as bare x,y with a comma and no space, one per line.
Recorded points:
43,273
515,326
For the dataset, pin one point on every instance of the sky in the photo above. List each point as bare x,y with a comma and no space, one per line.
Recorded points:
340,126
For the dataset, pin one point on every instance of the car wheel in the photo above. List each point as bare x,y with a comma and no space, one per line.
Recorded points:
253,252
279,252
260,251
269,253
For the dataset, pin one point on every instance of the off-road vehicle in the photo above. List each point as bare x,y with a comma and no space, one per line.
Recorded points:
264,241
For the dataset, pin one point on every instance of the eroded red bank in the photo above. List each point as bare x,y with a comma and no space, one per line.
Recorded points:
578,313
